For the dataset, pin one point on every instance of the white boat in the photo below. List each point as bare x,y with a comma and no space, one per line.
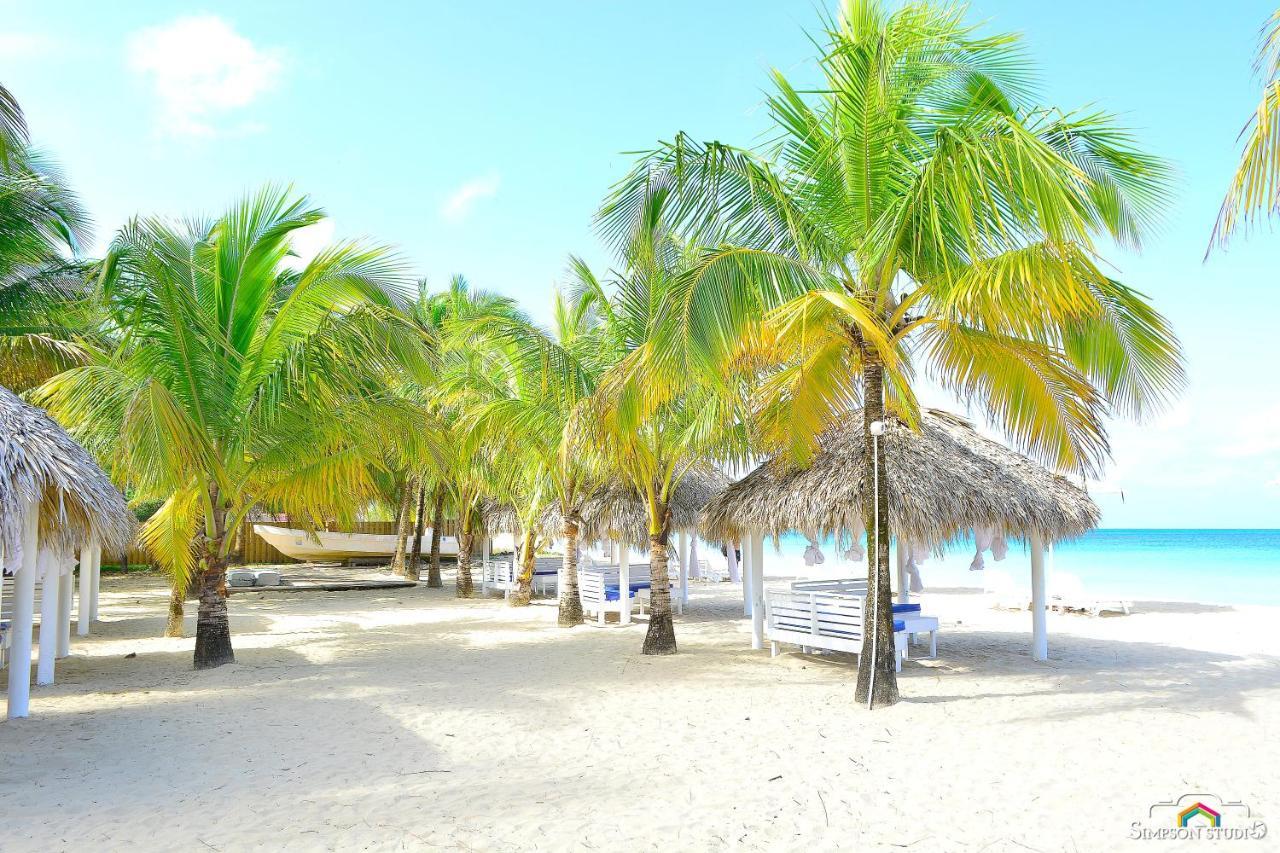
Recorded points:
323,545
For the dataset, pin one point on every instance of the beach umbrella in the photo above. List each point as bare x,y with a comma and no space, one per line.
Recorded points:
54,502
944,480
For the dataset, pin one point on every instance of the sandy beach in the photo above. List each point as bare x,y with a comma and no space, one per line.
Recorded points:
409,720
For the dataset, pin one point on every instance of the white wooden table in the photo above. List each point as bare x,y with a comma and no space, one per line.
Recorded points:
913,624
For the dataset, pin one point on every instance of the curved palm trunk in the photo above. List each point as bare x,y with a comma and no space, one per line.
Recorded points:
411,569
402,526
523,592
437,521
463,586
570,602
213,627
177,598
660,639
885,689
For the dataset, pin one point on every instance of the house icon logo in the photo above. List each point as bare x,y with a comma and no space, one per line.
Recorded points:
1199,817
1198,814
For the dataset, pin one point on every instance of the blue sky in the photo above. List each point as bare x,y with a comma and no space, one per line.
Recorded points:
479,137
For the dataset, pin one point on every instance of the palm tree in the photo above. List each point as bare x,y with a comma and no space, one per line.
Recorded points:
652,417
42,287
915,210
529,404
240,383
1255,187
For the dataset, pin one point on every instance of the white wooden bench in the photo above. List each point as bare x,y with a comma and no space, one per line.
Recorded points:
503,575
843,586
598,588
819,619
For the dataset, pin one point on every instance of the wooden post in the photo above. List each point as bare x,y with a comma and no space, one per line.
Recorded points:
95,580
86,590
904,592
682,546
1039,624
757,591
24,606
48,616
64,607
624,584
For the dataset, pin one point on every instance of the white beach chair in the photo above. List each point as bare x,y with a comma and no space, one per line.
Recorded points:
1069,593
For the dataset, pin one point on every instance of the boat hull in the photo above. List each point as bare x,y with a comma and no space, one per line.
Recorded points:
323,545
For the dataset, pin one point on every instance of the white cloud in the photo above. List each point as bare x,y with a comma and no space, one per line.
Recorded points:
201,69
308,242
459,203
1254,434
17,46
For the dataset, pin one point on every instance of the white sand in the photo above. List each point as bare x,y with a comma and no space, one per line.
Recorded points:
408,720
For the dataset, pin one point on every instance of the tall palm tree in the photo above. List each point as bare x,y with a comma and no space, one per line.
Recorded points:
1255,187
240,383
914,210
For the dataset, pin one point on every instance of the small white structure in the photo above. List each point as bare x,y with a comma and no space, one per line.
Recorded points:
54,502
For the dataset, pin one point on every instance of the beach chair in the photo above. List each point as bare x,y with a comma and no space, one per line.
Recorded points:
819,619
1068,593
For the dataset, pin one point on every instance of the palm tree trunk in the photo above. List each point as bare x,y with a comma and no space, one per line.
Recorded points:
570,613
879,596
402,526
661,636
437,521
177,597
411,570
523,592
463,587
213,627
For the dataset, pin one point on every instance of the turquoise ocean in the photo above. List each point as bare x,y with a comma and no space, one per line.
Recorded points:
1206,566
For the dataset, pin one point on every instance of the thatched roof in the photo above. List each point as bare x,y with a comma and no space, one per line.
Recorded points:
943,480
39,460
619,510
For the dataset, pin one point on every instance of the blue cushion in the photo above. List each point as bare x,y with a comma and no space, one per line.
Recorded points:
906,608
611,589
899,625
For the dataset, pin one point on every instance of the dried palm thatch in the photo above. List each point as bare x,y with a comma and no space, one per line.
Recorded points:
40,461
943,480
619,511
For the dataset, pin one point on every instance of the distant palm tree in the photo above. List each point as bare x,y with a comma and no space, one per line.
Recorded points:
913,210
240,383
1255,187
529,405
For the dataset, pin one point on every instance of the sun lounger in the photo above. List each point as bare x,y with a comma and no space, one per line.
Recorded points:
1068,593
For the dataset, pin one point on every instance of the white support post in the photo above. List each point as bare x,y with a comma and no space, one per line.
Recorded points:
682,546
49,584
746,573
731,554
24,606
86,590
904,593
757,591
624,584
95,580
1039,625
64,608
484,565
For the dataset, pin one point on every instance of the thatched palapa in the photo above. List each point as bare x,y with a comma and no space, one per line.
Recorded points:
39,460
942,481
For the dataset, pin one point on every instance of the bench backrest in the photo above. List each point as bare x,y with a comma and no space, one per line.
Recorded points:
815,618
844,586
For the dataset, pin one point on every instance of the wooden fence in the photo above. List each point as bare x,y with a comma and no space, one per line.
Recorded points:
254,550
